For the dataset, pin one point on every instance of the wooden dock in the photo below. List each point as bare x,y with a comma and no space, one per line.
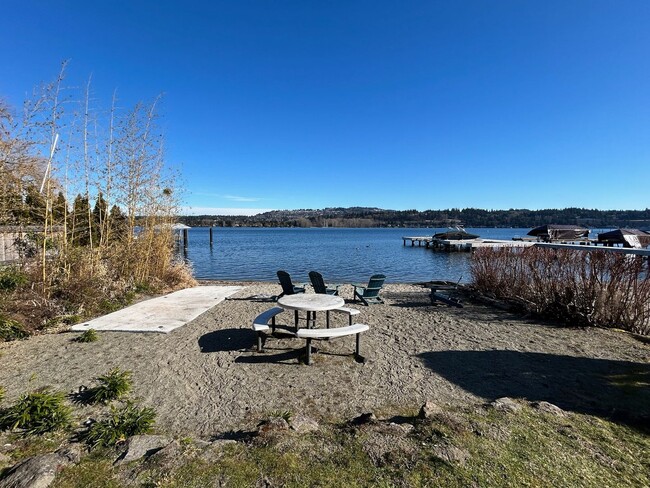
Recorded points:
419,240
583,247
466,245
469,245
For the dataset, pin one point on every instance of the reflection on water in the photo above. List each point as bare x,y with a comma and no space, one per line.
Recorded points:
342,255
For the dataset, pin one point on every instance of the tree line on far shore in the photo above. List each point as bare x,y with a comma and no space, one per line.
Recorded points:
468,217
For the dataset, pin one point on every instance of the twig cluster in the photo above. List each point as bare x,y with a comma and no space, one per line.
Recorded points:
61,155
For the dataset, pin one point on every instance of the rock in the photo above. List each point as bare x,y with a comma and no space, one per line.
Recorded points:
506,404
549,408
451,454
201,444
39,471
272,426
35,472
303,424
71,454
430,410
169,457
140,446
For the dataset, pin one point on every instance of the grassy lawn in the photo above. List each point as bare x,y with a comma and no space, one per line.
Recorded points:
498,448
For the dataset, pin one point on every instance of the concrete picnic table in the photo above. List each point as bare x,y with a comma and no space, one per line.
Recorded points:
310,303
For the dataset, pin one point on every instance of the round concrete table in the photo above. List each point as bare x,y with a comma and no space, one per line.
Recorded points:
310,303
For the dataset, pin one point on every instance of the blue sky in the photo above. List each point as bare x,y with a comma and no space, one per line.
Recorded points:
426,105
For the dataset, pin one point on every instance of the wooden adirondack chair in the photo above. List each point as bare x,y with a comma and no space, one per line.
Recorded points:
319,284
370,294
288,288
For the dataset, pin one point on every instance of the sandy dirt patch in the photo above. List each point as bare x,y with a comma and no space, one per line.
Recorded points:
205,378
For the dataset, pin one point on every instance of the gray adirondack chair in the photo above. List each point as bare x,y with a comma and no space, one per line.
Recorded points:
370,294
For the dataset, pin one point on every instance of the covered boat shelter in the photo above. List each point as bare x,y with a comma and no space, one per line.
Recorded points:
556,232
458,234
632,238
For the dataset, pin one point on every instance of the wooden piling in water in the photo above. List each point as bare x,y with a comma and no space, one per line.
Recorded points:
210,235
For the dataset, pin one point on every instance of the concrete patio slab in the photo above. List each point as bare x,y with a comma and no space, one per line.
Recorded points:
162,314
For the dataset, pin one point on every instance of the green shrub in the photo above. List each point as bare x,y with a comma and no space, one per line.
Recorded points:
112,386
2,393
122,423
37,412
11,330
88,336
11,278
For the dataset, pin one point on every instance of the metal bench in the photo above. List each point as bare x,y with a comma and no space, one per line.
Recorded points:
354,329
261,325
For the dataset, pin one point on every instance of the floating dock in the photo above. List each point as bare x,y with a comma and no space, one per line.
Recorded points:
468,245
462,245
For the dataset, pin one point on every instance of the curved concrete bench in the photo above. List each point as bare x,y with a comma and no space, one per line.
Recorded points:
261,324
346,310
354,329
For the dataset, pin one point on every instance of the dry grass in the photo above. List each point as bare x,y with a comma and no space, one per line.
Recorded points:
88,281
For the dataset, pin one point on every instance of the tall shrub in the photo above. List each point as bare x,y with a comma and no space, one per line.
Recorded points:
597,288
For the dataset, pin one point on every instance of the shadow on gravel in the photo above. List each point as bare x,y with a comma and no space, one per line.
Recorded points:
619,390
227,340
83,396
284,357
419,299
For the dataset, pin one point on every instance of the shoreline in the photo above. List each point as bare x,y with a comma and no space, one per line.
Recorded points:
206,378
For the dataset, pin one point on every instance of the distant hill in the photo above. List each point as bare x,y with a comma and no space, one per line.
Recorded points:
469,217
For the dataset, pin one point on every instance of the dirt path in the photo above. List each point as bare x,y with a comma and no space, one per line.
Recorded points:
205,378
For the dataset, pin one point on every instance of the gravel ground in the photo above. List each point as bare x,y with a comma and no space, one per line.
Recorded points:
206,379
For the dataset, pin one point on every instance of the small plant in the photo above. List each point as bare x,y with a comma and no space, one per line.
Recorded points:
11,330
142,287
2,393
113,385
283,414
37,412
11,278
122,423
89,335
70,319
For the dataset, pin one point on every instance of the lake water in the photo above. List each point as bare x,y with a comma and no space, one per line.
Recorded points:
340,255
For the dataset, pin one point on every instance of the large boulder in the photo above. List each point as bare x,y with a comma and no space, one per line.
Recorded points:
40,471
